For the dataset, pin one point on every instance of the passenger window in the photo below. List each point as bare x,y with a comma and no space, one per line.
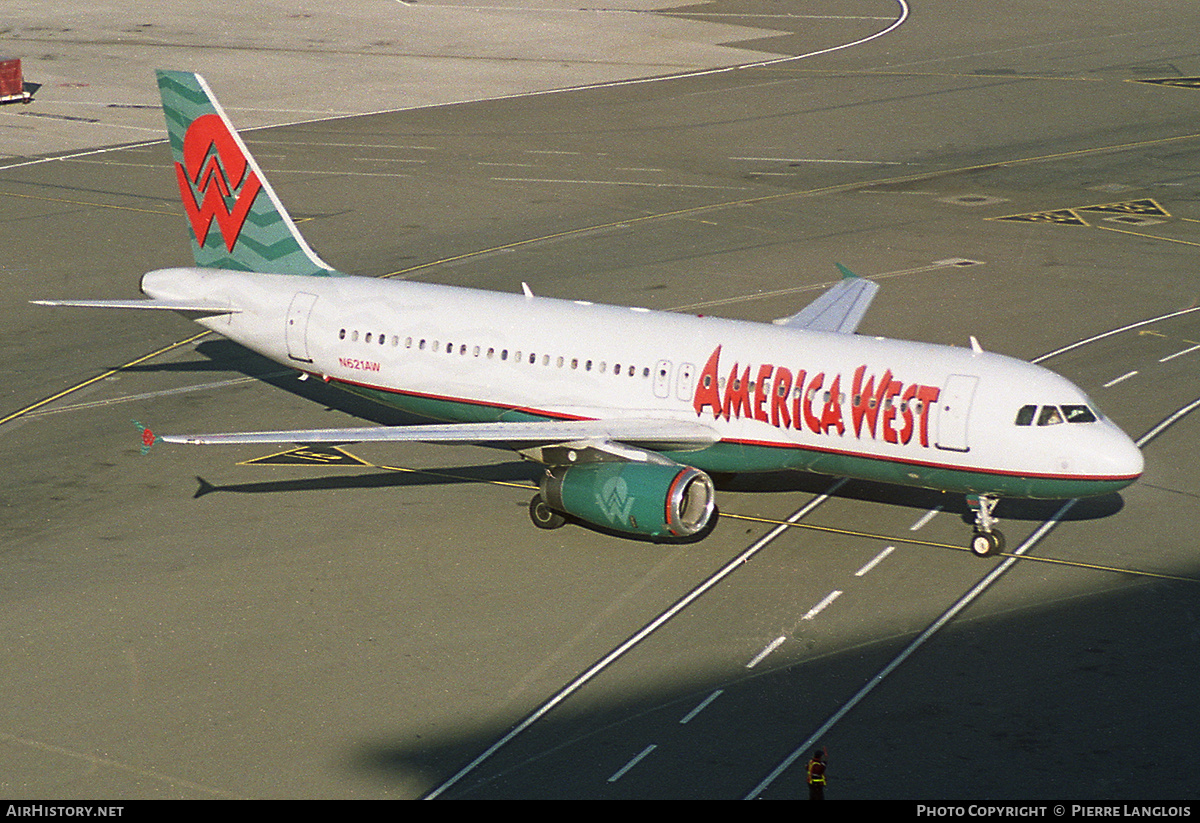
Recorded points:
1078,414
1050,416
1025,415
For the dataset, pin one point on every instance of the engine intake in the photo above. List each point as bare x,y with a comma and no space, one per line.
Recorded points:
654,499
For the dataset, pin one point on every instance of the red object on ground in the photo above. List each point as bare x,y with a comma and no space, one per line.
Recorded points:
12,83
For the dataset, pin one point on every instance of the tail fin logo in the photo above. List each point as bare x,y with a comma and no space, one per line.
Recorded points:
215,180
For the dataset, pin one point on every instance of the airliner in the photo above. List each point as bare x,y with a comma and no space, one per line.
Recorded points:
630,411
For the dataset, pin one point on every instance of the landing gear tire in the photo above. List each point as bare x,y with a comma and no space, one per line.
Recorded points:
543,516
987,544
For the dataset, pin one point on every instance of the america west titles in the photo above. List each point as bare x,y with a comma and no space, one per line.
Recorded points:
880,406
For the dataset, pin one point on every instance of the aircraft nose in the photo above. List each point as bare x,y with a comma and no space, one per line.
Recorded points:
1124,458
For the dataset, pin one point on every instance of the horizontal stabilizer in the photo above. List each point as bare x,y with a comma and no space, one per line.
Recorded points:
840,309
648,433
143,303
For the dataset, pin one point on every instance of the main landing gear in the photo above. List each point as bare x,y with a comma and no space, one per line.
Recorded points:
987,541
543,516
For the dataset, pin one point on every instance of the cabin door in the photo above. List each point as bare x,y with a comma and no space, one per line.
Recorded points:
296,331
954,411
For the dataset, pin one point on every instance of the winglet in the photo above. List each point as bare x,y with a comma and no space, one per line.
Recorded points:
846,273
148,437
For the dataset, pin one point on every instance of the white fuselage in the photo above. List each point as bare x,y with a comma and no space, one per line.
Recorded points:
906,412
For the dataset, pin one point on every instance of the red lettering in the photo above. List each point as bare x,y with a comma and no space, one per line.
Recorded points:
779,393
760,392
906,402
814,422
889,408
797,399
707,394
831,415
927,396
862,403
737,394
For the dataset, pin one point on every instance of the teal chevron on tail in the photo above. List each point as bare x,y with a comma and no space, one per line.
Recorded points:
236,219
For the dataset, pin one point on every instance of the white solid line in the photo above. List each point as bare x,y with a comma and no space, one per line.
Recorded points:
875,562
1120,379
772,646
621,771
1078,343
815,610
703,705
921,639
1178,353
817,160
578,683
612,183
929,515
1164,425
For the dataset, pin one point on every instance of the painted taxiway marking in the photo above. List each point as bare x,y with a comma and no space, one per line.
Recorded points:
1179,353
701,706
95,761
817,160
129,398
824,604
929,515
34,406
1120,379
651,627
612,183
875,561
912,541
770,647
637,758
960,604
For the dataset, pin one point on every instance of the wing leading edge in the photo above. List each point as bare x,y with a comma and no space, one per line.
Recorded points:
652,434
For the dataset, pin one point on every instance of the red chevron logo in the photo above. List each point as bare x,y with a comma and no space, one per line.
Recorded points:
215,180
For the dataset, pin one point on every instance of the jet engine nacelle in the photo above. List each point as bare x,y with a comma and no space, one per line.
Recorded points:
654,499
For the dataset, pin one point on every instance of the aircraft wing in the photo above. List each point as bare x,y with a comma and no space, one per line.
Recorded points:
142,303
652,434
840,309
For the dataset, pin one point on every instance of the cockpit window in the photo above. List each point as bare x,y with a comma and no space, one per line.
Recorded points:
1050,416
1078,414
1053,415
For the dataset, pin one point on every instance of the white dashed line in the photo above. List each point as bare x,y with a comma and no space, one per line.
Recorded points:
1120,379
815,610
875,561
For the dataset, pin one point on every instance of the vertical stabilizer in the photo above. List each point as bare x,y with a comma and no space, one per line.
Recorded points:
235,217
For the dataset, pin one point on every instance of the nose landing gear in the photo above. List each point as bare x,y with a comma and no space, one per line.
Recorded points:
987,541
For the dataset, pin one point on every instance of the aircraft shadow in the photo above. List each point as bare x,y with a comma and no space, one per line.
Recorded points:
916,499
512,472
